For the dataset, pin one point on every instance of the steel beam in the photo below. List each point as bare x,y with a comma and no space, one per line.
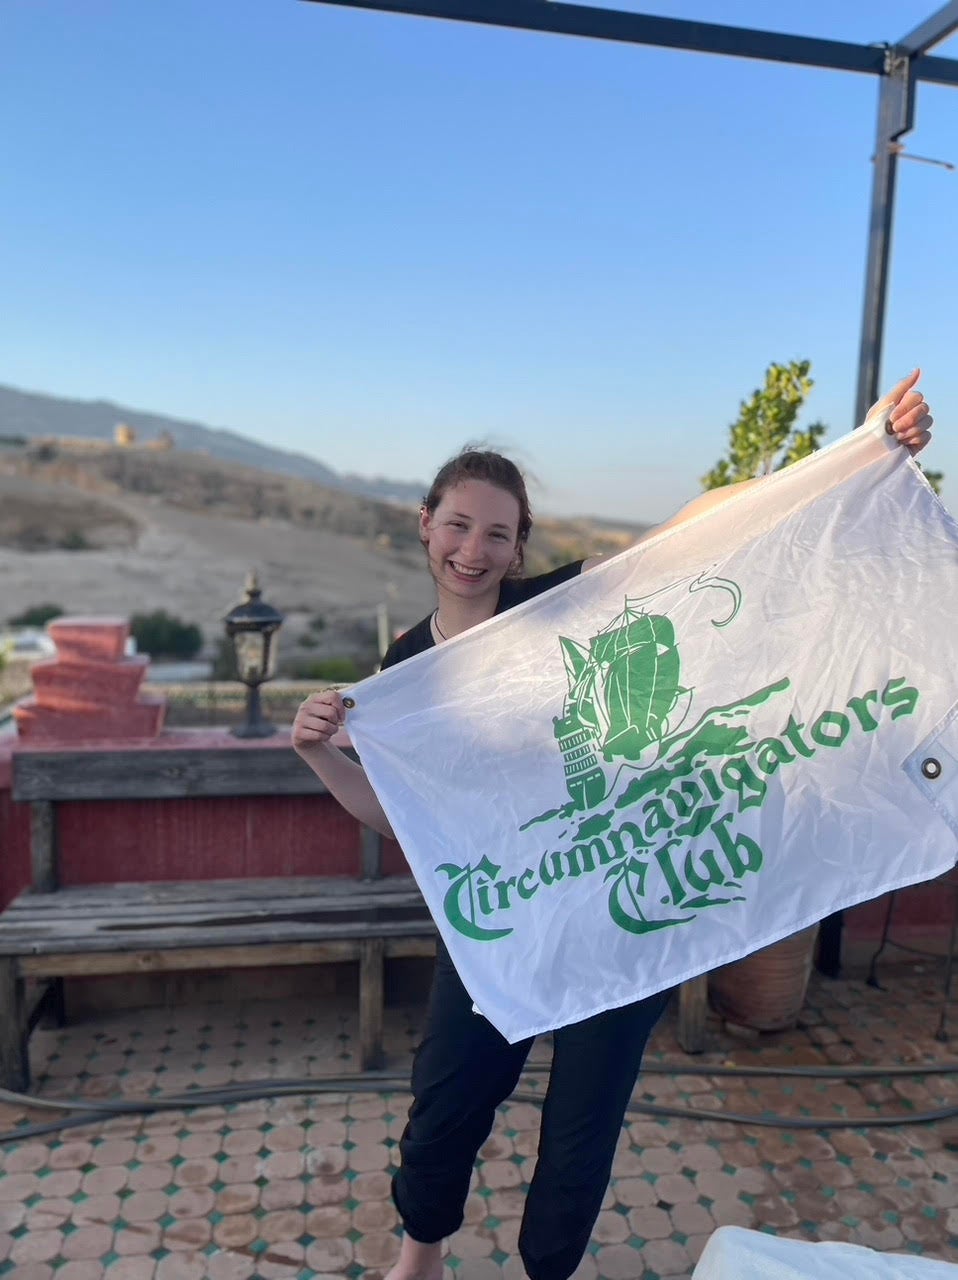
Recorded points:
932,31
594,23
935,70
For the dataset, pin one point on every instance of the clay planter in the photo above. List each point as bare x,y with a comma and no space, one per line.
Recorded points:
72,685
102,639
142,719
766,990
89,690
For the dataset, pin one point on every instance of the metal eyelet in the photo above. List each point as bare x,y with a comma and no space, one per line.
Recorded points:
931,768
349,703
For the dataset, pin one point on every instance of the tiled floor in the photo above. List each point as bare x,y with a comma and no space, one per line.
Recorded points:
299,1185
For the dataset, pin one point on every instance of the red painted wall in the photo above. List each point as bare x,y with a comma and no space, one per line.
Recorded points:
207,839
102,841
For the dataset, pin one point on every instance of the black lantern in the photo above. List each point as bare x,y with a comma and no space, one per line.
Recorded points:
252,626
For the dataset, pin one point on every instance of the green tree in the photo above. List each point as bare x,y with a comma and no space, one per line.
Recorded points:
36,615
338,670
162,635
934,478
764,437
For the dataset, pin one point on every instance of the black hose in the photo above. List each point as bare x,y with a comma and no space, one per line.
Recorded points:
92,1111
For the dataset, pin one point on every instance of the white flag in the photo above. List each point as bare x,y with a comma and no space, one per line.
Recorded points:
708,742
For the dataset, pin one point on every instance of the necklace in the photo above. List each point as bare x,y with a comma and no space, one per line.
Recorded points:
435,623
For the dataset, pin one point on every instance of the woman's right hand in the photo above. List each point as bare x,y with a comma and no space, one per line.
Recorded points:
318,719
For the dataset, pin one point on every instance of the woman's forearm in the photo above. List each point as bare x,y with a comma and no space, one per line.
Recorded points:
347,781
695,507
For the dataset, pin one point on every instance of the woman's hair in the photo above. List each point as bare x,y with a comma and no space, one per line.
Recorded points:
484,464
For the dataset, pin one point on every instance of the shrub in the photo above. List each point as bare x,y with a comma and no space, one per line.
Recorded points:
74,540
36,615
336,670
163,636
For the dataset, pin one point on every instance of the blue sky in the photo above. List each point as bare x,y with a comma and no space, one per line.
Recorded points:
372,238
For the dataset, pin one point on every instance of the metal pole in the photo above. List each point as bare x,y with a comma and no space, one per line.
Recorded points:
896,117
383,637
255,726
896,111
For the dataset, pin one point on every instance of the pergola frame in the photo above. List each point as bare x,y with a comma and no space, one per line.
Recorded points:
900,65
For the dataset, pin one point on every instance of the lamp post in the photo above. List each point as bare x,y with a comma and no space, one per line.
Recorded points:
252,626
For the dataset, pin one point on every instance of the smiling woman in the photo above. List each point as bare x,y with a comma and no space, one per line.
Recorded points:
473,524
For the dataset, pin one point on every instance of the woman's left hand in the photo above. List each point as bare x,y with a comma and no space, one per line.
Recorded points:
909,416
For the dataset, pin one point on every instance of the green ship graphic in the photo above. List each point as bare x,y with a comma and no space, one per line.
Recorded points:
625,693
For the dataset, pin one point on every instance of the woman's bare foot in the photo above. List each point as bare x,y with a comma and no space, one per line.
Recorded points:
417,1261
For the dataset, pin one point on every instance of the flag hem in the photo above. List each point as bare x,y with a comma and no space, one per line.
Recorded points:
644,993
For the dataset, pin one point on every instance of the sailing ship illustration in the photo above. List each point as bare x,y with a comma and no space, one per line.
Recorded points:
625,693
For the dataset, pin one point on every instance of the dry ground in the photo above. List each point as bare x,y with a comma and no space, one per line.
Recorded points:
194,565
116,532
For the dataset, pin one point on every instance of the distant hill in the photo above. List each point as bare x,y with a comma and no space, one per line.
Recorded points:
105,494
31,414
122,529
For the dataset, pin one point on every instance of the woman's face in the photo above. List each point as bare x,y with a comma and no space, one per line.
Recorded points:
471,537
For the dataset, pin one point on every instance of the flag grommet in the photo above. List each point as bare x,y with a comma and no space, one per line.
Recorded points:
349,703
931,768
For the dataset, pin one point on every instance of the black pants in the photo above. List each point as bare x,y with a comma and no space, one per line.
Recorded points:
464,1068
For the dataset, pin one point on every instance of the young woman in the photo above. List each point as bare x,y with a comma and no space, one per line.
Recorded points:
474,524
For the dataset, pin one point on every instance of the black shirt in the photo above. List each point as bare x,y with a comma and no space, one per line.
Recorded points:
512,591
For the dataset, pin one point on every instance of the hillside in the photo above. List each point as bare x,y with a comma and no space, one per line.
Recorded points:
128,530
33,415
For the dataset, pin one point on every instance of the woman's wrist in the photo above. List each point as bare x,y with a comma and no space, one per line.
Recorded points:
311,749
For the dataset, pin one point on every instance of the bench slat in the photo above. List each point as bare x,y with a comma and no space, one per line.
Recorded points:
88,964
176,914
162,774
44,940
159,892
111,915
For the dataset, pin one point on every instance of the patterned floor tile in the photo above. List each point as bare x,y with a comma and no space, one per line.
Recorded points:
300,1186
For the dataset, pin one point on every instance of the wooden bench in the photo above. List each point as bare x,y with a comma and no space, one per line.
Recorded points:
52,932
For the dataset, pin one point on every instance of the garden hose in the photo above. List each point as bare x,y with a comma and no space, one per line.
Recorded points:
92,1111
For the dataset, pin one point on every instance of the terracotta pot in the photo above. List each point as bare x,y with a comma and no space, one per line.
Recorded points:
766,990
102,639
